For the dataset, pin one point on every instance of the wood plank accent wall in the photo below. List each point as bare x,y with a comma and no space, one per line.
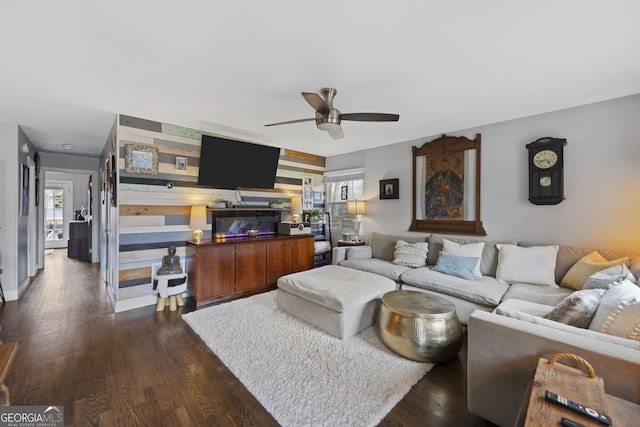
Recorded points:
152,217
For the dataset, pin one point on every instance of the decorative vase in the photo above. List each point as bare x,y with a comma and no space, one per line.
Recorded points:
277,205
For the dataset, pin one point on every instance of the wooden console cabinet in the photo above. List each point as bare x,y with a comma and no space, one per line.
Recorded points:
220,270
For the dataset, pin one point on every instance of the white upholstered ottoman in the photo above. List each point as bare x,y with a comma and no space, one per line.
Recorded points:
339,300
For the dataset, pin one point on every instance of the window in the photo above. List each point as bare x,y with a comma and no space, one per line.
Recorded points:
343,186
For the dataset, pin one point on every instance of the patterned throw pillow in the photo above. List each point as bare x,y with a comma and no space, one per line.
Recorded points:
619,312
411,254
578,308
580,272
534,264
454,265
473,250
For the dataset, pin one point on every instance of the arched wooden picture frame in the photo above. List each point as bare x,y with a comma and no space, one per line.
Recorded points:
446,186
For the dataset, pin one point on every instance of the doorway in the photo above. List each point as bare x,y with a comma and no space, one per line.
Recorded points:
57,198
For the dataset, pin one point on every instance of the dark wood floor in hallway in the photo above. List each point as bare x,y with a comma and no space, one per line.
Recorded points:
147,368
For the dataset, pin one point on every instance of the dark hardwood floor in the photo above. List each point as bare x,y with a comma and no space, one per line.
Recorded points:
147,368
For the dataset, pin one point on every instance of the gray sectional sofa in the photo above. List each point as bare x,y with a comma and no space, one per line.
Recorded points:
507,328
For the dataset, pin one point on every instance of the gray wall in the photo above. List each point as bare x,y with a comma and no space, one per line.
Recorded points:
602,178
23,221
14,229
9,209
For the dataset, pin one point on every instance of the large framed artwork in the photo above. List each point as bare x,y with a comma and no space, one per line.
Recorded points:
446,186
141,159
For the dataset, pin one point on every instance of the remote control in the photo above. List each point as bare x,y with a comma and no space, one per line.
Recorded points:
569,404
566,422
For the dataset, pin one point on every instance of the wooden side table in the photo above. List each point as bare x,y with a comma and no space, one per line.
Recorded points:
573,384
351,243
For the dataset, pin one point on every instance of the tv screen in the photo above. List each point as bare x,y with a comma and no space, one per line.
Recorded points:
229,164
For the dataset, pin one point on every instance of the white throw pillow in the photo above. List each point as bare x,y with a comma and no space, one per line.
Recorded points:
534,265
411,254
473,250
619,311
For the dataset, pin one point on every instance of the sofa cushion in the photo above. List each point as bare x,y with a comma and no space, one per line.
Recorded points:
358,252
585,267
534,265
455,265
469,250
485,290
578,308
619,311
550,295
410,254
378,266
567,328
488,263
518,305
606,278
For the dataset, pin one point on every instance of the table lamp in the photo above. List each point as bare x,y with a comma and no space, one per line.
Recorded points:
198,221
356,208
296,208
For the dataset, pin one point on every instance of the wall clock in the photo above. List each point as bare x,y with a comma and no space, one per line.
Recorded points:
546,175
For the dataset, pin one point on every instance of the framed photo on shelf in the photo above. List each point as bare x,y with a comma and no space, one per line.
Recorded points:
141,159
389,189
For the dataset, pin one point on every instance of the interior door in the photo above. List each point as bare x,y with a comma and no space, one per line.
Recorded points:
57,201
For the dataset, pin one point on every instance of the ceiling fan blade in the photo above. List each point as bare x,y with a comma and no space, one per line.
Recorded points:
336,133
370,117
290,121
316,102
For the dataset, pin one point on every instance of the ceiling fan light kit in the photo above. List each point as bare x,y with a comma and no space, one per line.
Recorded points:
328,118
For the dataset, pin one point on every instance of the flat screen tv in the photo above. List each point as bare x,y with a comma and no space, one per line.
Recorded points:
229,164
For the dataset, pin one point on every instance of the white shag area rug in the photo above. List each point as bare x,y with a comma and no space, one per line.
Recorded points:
300,374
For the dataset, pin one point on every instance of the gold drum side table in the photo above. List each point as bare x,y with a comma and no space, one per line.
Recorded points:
419,326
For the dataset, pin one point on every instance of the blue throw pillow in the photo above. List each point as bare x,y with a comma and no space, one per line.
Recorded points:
455,265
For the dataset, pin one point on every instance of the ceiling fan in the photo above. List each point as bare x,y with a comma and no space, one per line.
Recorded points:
328,117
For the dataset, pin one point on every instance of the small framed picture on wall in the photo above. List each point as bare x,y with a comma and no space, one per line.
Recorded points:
181,163
344,192
389,189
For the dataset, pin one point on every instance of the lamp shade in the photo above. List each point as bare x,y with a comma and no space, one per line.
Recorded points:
296,205
356,208
198,218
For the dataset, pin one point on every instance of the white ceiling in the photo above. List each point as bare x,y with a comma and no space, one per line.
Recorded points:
66,67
